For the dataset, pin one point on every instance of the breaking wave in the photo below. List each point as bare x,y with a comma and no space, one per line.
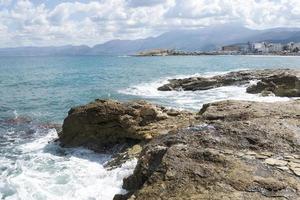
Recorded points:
41,169
193,100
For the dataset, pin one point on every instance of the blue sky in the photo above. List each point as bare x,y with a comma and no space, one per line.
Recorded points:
53,22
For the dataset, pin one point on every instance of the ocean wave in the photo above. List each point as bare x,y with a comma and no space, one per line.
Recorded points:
193,100
44,170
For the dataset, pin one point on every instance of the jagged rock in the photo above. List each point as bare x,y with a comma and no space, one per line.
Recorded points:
104,123
213,161
281,82
260,86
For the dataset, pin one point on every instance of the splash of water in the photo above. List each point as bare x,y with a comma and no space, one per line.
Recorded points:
44,170
193,100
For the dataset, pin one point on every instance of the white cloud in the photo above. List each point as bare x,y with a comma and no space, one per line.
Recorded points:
23,22
144,3
5,2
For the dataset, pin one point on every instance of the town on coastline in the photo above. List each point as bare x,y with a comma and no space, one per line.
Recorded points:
250,48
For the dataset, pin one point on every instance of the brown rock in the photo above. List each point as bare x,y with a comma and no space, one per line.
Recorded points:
202,162
104,123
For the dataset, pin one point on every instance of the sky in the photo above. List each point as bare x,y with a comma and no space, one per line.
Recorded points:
55,23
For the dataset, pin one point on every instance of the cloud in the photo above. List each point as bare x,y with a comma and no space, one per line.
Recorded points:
24,22
144,3
197,9
5,2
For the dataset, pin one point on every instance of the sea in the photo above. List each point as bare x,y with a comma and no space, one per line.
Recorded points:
37,92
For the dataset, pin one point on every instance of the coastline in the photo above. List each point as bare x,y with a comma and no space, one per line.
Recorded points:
212,54
78,170
164,139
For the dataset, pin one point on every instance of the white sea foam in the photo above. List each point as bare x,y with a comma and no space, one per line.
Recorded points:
16,115
46,171
124,56
194,100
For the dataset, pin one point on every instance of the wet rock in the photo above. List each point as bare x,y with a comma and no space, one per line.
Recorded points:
18,120
102,124
223,162
266,93
281,82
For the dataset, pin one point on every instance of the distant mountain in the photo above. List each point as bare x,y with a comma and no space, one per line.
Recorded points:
203,39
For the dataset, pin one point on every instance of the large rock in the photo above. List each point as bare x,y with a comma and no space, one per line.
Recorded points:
104,123
242,150
282,82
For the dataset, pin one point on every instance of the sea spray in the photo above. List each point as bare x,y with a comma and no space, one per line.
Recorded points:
193,100
44,170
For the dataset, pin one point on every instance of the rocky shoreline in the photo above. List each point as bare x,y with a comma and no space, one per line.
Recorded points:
241,150
278,82
228,150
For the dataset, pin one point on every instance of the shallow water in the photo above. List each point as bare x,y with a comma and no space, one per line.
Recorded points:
36,92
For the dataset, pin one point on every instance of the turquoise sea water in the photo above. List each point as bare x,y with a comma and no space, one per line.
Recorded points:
38,91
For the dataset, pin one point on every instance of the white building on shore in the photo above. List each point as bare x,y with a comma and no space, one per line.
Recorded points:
262,48
259,47
275,47
296,47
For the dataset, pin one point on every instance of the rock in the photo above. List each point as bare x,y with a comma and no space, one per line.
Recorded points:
284,168
260,86
263,121
296,171
102,124
209,163
267,154
173,112
251,153
275,162
122,155
295,168
135,150
266,93
295,160
289,157
260,156
280,82
283,84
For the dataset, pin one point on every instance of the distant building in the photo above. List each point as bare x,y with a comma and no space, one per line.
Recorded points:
297,45
262,48
256,47
275,47
231,48
244,48
295,48
259,47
